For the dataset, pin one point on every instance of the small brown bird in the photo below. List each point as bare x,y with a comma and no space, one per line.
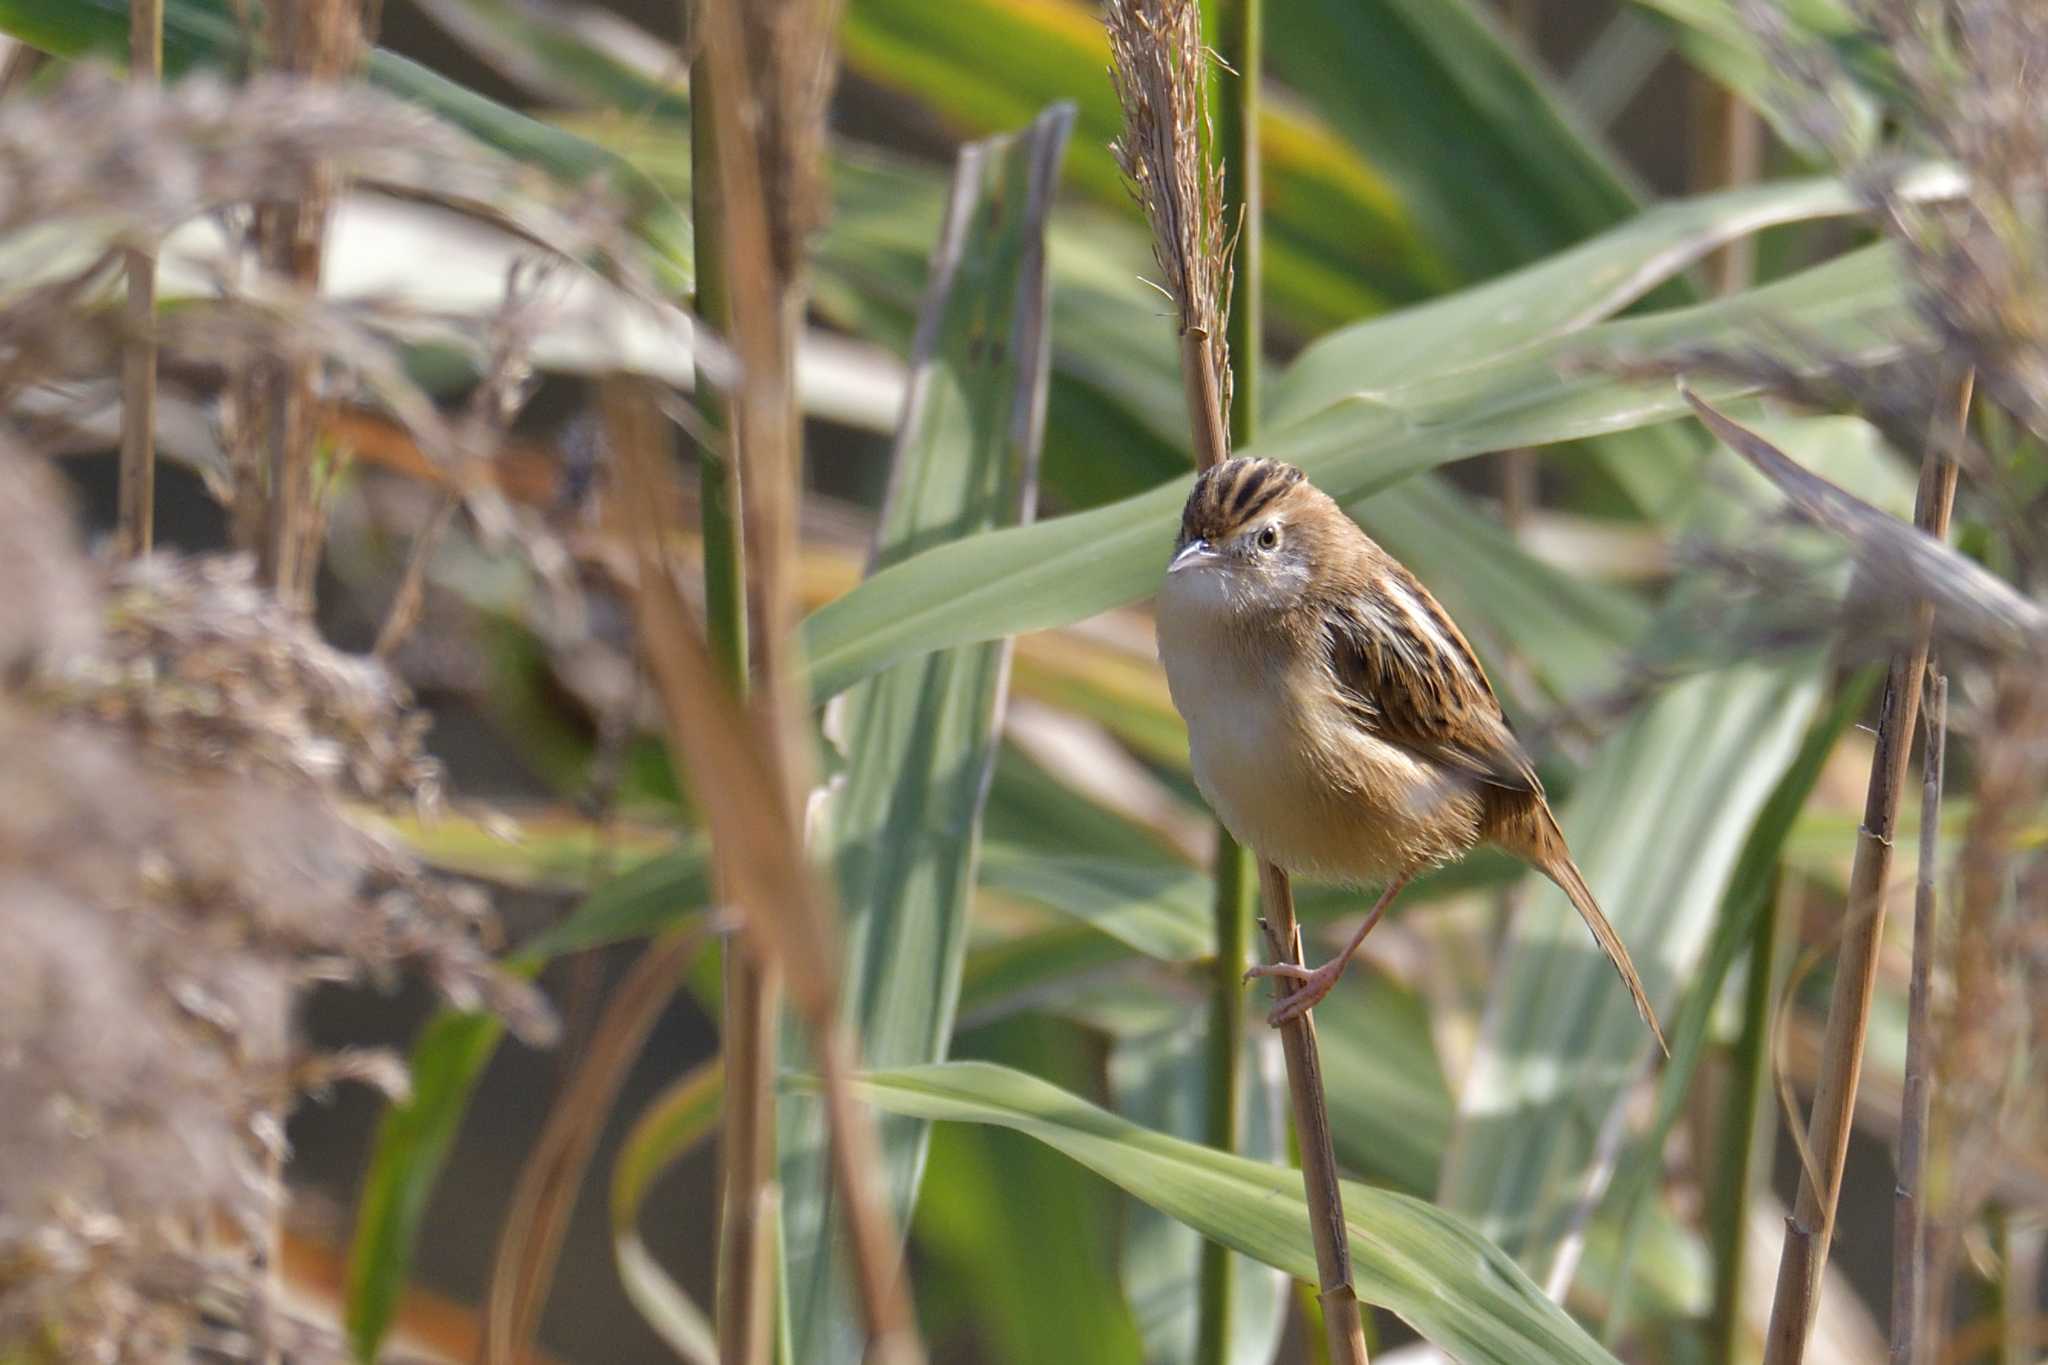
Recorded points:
1339,723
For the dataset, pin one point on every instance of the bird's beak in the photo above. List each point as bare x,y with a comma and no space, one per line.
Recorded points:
1194,552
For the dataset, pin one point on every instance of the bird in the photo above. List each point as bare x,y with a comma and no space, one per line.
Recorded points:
1339,724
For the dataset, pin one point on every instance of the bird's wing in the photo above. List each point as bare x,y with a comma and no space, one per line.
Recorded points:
1410,678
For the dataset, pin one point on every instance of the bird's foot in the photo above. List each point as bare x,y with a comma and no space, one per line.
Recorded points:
1316,983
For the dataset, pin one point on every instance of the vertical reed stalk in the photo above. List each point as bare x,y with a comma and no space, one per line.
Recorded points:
1909,1227
1223,1123
278,502
769,68
1811,1227
1747,1122
751,997
137,524
1727,151
1238,42
1343,1320
1161,74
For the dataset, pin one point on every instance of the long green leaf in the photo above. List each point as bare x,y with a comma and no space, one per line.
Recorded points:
1749,890
1656,826
1486,156
205,33
920,739
1574,288
1659,825
1000,1260
1160,909
1126,424
1059,571
412,1145
551,49
1425,1265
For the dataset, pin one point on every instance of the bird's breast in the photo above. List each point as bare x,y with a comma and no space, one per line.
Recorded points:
1288,770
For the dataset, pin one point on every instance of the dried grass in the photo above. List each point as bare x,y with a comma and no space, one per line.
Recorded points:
1161,73
1965,74
176,870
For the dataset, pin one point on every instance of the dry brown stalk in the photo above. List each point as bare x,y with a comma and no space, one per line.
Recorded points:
530,1244
1343,1320
137,516
1811,1226
769,69
276,511
1909,1227
755,834
750,1006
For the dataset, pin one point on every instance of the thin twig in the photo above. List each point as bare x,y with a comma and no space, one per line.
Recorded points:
738,755
404,612
138,356
1223,1124
1909,1227
1343,1323
1810,1228
531,1243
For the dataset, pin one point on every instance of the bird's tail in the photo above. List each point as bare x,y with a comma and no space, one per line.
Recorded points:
1557,865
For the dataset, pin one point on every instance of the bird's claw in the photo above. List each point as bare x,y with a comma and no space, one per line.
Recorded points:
1315,982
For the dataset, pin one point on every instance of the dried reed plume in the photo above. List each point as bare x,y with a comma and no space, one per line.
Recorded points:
176,870
1161,73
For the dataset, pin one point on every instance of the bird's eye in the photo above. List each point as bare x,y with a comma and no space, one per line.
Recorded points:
1269,536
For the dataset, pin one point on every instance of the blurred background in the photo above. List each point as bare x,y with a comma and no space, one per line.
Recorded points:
1678,655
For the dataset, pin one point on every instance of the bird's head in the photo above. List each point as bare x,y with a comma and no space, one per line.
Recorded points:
1249,536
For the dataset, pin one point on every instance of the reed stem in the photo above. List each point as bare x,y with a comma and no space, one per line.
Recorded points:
750,997
1909,1227
1223,1126
1343,1321
1811,1227
764,167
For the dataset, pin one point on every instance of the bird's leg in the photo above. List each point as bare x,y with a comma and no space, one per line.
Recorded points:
1316,982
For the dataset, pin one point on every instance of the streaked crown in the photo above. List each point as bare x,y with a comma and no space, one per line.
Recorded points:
1229,495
